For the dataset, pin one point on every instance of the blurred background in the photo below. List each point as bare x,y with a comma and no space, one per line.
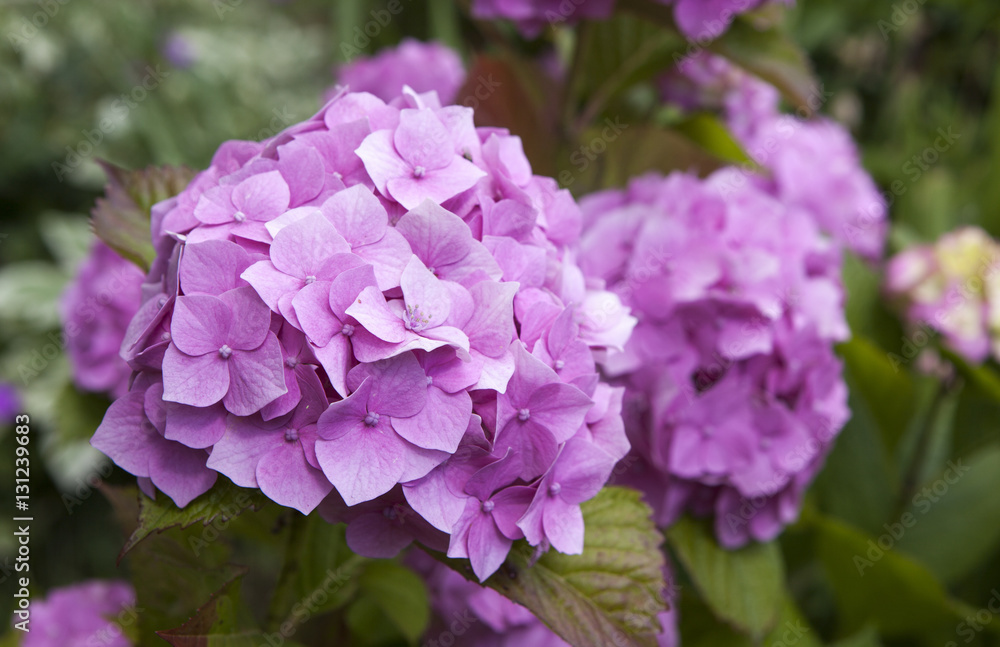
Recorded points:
148,83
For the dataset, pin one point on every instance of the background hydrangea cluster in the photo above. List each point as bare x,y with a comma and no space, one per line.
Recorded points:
377,305
734,394
697,19
952,288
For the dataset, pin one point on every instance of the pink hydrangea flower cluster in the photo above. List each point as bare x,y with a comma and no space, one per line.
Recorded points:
96,309
838,194
697,19
377,307
733,394
84,614
951,287
424,67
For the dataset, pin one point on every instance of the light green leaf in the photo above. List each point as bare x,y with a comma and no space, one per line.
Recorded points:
742,587
711,134
400,594
609,595
888,389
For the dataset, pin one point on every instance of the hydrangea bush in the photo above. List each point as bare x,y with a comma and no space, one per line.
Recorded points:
378,307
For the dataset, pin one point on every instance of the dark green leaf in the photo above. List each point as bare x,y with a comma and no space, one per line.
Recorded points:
319,568
609,595
885,386
956,516
742,587
121,217
224,502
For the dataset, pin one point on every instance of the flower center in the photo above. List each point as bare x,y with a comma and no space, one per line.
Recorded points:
430,380
310,279
161,302
225,352
488,506
555,489
389,513
418,171
239,216
416,320
291,435
523,415
347,330
371,419
165,336
291,362
559,364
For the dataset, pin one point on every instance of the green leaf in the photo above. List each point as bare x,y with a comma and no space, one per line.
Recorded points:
856,483
925,447
319,567
609,595
29,294
984,377
224,501
889,392
710,133
742,587
637,149
884,587
699,627
957,516
400,594
773,56
612,55
866,638
121,217
222,621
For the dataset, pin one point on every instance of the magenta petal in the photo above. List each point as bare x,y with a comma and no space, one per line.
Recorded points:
491,327
347,416
251,318
398,385
270,283
287,479
124,434
372,535
257,377
563,524
428,300
422,140
372,312
262,197
348,285
388,256
381,159
433,500
510,505
180,472
436,235
215,206
560,408
302,169
195,381
364,463
357,214
236,455
200,324
213,267
303,248
336,359
442,422
487,547
196,427
312,309
438,185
